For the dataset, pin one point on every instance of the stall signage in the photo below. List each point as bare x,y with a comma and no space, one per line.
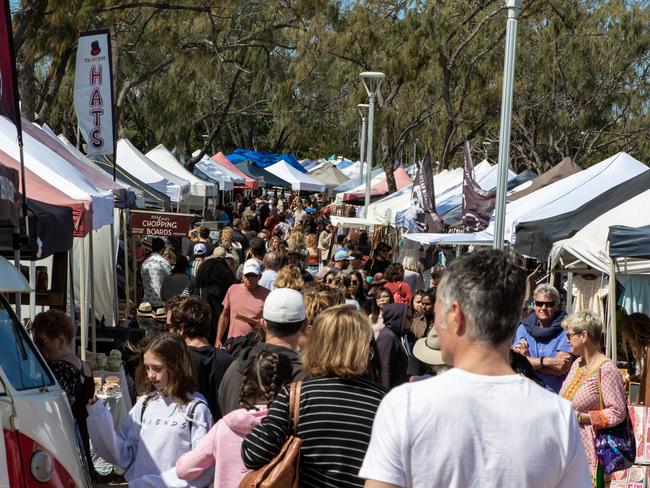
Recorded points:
161,224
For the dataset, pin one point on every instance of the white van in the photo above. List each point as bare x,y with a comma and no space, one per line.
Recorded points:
40,445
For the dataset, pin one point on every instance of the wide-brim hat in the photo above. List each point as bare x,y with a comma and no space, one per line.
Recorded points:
428,350
145,310
160,314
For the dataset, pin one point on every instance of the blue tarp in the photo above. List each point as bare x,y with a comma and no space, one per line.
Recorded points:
263,158
344,164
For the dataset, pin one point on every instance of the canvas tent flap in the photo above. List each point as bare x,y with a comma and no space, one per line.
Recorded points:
77,160
224,162
299,181
264,159
133,161
166,160
380,187
535,238
152,197
215,172
564,168
254,171
566,194
58,173
588,248
54,228
330,175
629,242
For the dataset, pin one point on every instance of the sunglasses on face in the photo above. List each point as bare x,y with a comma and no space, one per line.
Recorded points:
354,282
329,281
250,276
541,304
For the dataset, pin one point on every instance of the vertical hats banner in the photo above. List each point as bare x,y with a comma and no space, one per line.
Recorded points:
93,92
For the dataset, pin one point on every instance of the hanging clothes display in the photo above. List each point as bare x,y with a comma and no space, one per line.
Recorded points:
636,296
589,292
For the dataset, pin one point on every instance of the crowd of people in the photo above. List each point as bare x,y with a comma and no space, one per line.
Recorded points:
401,383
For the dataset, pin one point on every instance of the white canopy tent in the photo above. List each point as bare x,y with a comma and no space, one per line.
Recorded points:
299,181
588,251
133,161
58,172
588,247
200,190
447,187
555,199
226,178
352,171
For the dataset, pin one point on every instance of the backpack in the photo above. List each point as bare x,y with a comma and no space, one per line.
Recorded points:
146,400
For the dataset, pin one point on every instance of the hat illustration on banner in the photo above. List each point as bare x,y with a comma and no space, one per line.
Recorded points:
95,49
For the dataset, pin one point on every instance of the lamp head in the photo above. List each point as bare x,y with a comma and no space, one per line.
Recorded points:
514,4
372,81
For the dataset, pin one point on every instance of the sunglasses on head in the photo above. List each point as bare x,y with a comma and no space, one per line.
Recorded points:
541,304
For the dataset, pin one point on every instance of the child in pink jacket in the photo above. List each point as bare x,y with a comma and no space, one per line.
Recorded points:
264,376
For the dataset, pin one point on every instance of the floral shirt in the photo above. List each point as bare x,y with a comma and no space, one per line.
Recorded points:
154,271
583,386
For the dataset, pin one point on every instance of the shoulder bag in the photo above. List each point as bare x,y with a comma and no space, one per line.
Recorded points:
615,446
283,471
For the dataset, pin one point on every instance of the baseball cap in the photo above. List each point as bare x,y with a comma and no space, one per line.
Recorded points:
251,266
200,249
427,349
284,306
342,255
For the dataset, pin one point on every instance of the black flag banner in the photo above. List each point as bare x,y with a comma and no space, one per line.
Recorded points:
8,79
478,203
423,199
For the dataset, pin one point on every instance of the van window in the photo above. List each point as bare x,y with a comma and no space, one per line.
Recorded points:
19,360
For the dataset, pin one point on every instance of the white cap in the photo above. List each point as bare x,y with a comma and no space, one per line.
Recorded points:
252,266
284,306
200,249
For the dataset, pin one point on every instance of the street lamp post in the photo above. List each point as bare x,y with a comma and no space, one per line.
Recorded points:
363,107
513,7
372,82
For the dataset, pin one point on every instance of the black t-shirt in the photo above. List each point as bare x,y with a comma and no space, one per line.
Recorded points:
210,364
376,266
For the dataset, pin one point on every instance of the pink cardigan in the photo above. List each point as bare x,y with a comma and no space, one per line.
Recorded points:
221,448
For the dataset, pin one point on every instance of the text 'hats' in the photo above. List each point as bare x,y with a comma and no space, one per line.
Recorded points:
284,306
200,249
252,266
427,349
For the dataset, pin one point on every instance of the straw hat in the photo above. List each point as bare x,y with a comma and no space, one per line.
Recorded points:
428,350
145,310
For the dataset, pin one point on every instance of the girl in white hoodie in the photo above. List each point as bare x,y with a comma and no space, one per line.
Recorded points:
264,376
166,422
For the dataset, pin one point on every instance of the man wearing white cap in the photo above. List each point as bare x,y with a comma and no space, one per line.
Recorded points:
243,304
284,320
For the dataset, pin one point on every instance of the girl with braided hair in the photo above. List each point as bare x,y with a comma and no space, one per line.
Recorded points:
264,376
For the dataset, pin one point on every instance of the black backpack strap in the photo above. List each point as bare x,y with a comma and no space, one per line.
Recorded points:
190,416
145,402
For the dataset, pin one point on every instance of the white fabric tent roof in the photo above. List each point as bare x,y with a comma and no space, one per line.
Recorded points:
58,172
225,178
353,170
133,161
12,280
299,181
199,189
589,246
139,195
562,196
447,186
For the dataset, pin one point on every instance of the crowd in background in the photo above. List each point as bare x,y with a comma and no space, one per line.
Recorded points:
277,297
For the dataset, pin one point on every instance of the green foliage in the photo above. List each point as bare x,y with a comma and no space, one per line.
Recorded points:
284,74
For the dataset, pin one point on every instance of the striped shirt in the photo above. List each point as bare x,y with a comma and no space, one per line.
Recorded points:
335,423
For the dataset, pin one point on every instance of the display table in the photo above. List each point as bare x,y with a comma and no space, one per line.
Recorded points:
119,404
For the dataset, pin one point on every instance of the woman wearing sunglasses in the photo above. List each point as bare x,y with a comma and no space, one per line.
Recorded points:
53,333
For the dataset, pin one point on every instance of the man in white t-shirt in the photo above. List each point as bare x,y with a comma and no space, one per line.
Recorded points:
479,424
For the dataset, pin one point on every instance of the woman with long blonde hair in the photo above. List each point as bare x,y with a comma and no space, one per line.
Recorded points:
290,277
337,404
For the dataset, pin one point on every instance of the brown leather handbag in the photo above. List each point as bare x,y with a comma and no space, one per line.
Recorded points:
283,471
